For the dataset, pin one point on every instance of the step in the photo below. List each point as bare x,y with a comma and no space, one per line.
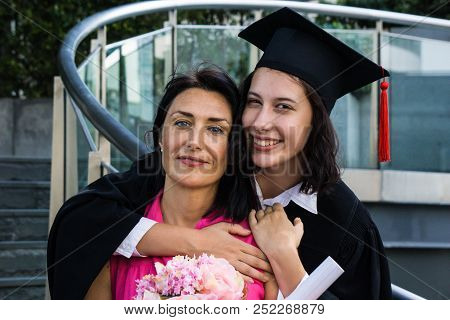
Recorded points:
23,224
24,194
22,288
22,258
20,168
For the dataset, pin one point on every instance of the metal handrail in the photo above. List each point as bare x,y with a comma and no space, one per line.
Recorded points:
116,132
402,294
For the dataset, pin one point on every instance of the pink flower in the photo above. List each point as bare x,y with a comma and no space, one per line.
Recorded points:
184,278
221,279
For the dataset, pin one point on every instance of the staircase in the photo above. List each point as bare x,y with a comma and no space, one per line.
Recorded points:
24,202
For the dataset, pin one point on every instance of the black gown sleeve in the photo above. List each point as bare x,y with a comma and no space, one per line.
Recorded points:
362,256
90,226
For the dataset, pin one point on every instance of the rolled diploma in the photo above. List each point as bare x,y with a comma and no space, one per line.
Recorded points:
318,281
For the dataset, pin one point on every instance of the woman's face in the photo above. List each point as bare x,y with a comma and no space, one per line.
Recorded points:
195,138
277,118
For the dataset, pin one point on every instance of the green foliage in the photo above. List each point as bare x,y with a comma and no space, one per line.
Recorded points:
431,8
32,31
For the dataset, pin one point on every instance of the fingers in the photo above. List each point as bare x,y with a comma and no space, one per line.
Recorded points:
254,251
247,278
246,270
221,225
269,276
252,218
260,214
237,229
268,210
257,263
298,225
277,206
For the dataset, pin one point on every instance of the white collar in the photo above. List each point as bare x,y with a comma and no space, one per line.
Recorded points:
306,201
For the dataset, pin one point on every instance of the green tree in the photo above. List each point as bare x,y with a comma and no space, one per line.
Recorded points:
431,8
33,30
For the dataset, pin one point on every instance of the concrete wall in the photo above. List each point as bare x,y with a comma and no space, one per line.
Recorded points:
25,127
417,242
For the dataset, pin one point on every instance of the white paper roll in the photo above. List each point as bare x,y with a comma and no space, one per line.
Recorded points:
318,281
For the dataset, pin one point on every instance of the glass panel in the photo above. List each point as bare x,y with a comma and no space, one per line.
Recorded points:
215,44
138,68
82,157
354,115
137,71
419,98
89,72
83,149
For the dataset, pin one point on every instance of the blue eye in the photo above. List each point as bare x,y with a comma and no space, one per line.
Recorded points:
182,123
216,130
283,106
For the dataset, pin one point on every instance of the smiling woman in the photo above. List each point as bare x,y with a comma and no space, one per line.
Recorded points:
182,184
192,129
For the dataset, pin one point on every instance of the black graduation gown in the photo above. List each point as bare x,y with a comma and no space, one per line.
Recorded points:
344,230
91,225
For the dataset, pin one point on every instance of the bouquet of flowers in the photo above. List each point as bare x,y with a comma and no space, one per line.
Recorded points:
184,278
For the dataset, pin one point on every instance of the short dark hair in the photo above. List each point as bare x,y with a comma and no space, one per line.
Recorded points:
318,157
235,197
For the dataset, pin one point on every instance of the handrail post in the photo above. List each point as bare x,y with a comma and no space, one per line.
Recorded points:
173,21
94,166
57,164
104,146
71,151
57,182
375,101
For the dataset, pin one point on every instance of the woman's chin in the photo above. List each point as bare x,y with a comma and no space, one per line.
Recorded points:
265,161
193,181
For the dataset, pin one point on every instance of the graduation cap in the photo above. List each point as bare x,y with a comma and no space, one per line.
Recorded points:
295,45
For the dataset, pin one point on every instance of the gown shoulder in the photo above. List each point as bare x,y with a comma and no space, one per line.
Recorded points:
90,226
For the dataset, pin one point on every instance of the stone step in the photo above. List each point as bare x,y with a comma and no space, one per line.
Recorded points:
21,168
24,194
22,288
23,224
23,258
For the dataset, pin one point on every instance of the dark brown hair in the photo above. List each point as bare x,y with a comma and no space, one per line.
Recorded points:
235,197
318,158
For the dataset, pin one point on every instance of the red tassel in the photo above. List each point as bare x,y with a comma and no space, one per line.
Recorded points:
384,152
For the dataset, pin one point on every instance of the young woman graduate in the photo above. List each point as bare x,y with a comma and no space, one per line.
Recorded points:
288,98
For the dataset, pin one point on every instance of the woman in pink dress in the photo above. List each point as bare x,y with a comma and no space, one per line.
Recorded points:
197,186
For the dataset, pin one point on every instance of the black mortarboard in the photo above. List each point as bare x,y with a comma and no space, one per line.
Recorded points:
295,45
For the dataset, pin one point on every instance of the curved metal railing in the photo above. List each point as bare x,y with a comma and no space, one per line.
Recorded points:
126,142
114,131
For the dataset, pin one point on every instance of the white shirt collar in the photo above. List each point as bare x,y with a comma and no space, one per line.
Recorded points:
306,201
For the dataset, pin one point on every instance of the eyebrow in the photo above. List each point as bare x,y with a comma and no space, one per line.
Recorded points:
190,115
278,99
